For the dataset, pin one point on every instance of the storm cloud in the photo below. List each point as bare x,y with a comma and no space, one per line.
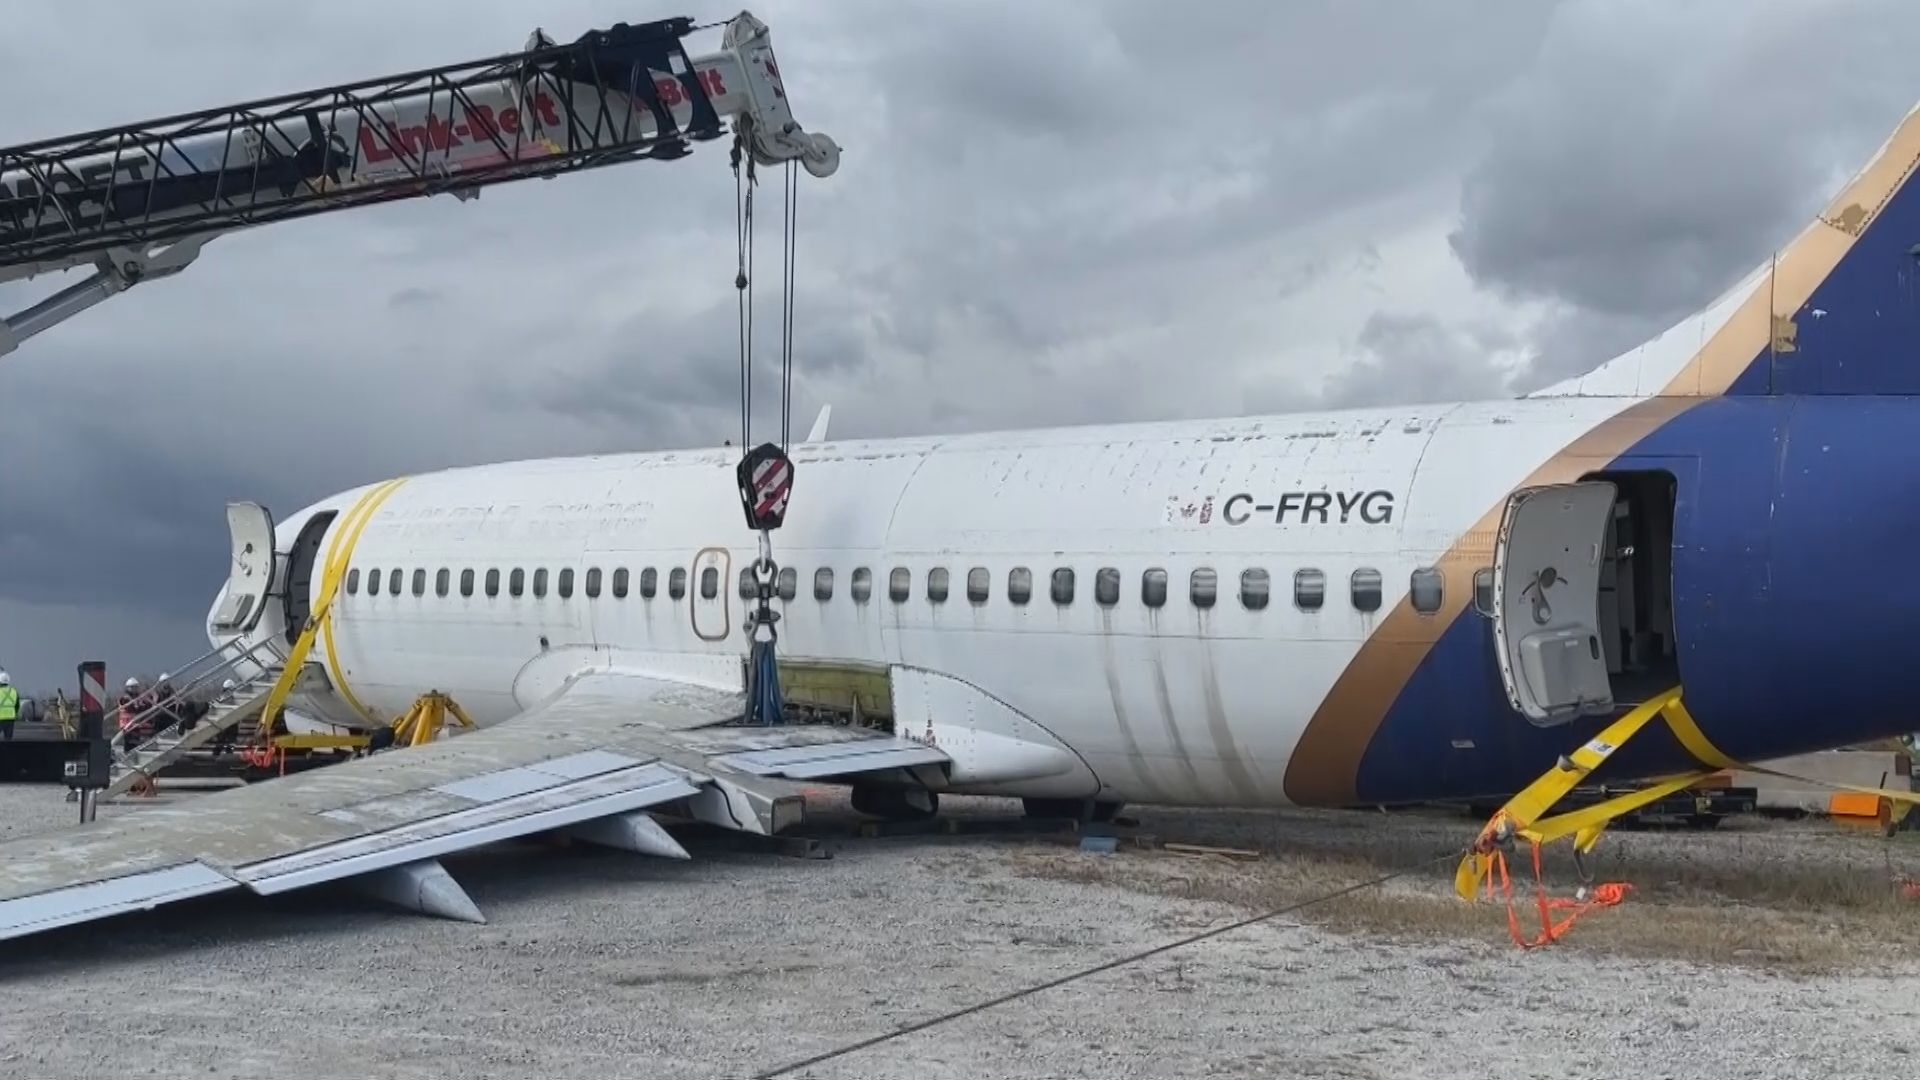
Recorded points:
1047,214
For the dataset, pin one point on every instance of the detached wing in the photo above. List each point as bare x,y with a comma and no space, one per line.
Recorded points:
591,760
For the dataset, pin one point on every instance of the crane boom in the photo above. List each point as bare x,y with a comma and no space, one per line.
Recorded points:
137,202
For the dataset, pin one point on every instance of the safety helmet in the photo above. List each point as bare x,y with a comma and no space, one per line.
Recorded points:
226,684
163,677
132,683
5,679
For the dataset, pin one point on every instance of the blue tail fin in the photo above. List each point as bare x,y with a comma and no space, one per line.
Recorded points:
1845,298
1835,311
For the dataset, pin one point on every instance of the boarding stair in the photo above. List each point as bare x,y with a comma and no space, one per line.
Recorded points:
254,667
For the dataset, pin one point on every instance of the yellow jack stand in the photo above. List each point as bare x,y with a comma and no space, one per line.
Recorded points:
1520,817
423,723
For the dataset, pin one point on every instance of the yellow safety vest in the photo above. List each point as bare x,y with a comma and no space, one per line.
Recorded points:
9,704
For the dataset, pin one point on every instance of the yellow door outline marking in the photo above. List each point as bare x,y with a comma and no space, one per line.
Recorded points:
320,621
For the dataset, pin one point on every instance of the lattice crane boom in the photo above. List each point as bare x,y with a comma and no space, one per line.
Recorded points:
138,202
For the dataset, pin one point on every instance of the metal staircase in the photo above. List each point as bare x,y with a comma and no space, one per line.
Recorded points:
253,668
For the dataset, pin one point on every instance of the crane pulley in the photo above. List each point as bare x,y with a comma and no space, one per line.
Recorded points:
138,202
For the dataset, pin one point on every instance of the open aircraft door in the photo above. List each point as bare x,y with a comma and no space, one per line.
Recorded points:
1546,601
250,574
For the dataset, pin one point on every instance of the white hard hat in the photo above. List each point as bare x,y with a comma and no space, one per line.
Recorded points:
5,679
132,682
163,676
226,684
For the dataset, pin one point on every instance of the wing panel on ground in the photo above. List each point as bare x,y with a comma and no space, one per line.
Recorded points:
503,819
606,744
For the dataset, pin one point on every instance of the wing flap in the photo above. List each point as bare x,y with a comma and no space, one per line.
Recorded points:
113,896
833,759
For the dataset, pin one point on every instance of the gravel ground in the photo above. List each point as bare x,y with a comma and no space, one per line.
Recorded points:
598,964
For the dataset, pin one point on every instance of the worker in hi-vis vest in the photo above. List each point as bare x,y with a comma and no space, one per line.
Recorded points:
9,707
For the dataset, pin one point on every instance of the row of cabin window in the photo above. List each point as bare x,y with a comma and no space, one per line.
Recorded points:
1203,585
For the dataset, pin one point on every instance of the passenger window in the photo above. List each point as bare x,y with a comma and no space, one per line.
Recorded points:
899,584
493,583
677,583
937,584
1062,587
393,582
747,590
353,581
1483,591
373,582
593,582
1106,586
1309,589
1366,589
516,582
1153,588
1203,587
540,582
621,579
710,583
420,581
1428,589
823,584
566,583
979,583
442,582
1255,589
1019,584
466,582
862,585
788,584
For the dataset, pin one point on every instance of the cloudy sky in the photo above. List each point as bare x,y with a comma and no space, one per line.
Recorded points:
1048,212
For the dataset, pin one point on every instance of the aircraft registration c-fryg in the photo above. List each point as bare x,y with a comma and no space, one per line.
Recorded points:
1347,608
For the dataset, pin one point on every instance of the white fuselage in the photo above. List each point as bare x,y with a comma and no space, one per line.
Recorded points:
1163,699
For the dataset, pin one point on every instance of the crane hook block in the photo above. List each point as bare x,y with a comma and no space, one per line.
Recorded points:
766,483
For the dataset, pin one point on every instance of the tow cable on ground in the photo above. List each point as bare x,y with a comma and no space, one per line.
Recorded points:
1119,962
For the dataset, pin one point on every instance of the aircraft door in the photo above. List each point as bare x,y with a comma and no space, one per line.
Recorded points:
710,590
250,574
1546,601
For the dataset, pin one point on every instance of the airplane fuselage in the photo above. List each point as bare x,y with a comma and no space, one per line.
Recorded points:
1252,612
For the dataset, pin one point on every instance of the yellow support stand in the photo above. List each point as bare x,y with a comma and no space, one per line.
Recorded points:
1520,817
423,723
321,742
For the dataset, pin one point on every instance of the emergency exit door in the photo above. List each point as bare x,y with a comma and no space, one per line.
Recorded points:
708,594
1546,579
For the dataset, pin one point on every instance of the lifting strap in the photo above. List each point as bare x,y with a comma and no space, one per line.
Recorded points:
339,553
1552,929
